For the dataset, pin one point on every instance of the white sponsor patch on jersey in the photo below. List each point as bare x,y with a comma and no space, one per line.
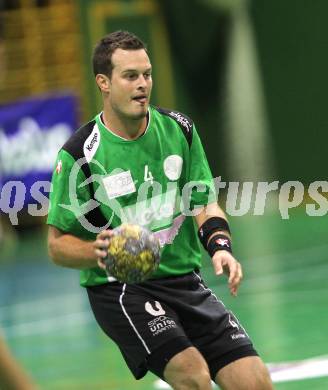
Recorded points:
173,166
119,184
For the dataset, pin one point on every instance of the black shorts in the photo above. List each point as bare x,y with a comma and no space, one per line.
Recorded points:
152,321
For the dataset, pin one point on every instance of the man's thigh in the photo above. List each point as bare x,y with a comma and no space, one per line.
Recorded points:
248,373
147,331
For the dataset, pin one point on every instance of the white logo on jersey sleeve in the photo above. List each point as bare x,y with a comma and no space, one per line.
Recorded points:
91,144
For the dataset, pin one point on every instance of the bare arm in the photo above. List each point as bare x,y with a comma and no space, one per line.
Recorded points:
223,261
12,375
70,251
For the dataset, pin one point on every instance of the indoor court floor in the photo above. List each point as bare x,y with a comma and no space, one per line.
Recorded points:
282,303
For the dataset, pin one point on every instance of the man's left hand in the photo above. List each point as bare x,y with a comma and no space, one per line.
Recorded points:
224,262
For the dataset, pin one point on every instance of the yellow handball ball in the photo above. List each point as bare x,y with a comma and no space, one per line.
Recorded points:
133,254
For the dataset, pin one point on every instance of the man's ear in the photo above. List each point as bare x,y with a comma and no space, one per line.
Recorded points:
103,82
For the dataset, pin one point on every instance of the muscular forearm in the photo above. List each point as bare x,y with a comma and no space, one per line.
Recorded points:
70,251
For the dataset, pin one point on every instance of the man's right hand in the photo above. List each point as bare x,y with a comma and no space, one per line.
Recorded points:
101,247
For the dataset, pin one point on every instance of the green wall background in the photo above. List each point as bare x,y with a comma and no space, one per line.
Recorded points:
192,40
292,38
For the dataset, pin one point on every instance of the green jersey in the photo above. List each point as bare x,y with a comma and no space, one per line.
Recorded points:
102,180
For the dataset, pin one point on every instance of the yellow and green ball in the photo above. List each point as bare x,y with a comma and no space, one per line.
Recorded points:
133,254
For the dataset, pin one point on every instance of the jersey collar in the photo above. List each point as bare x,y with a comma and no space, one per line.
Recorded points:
116,138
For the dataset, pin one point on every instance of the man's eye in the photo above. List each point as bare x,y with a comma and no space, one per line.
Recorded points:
147,75
131,76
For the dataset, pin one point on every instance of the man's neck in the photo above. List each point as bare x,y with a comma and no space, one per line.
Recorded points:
129,129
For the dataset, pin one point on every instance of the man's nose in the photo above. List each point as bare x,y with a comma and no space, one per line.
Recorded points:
142,82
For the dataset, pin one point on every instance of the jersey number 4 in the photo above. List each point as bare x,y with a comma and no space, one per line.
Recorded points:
148,175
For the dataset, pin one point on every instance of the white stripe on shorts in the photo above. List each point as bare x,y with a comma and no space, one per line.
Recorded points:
130,321
207,289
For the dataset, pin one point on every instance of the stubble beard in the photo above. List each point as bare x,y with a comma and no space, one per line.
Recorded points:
141,115
131,116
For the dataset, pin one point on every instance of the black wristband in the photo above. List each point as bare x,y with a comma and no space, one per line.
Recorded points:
212,225
219,242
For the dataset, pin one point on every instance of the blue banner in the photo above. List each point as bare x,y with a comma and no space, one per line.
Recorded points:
31,134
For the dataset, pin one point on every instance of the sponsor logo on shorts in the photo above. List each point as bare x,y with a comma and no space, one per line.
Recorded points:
233,323
239,329
157,311
238,336
161,324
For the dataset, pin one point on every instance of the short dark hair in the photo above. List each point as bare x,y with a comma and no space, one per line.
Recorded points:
102,54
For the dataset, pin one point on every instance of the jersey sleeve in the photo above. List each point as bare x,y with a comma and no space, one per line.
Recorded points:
67,196
200,175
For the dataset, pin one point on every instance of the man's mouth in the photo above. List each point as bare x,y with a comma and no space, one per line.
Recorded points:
141,99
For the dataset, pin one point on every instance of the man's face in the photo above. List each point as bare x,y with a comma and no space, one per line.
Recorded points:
130,83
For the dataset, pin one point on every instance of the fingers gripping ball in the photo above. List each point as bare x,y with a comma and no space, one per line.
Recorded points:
133,254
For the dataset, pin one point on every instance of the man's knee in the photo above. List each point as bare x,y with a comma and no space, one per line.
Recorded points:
261,378
188,371
196,380
248,373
